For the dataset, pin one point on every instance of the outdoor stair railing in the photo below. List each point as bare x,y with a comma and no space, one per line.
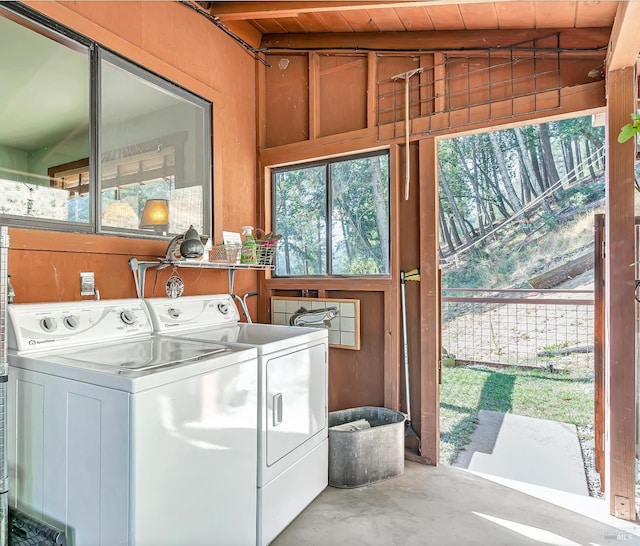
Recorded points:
538,328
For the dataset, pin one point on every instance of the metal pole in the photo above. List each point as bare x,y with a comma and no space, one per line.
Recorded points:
4,377
405,343
407,134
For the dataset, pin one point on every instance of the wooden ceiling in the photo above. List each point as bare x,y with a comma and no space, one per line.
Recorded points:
269,18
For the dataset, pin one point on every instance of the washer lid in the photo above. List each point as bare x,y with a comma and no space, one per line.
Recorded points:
267,338
139,355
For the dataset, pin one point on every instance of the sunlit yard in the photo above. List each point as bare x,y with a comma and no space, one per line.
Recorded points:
465,390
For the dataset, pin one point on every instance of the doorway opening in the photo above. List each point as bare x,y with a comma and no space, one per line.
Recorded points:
517,215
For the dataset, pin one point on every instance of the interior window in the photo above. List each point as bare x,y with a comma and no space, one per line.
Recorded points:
138,163
44,121
154,150
333,216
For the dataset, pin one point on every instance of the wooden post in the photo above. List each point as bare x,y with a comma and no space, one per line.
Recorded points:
392,297
372,89
619,293
429,303
314,96
599,346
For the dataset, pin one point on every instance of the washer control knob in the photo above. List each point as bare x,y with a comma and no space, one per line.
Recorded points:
223,308
71,322
174,313
127,316
48,324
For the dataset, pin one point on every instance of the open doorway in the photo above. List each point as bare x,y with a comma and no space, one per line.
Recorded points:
517,212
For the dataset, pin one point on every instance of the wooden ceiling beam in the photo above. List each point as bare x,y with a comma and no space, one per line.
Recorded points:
246,31
624,45
229,11
571,38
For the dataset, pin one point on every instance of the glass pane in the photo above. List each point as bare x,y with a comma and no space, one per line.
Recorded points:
301,218
44,124
155,151
360,216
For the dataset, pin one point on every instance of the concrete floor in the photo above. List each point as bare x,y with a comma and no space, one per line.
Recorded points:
533,451
449,506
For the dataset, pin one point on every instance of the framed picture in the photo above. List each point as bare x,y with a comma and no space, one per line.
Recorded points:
341,317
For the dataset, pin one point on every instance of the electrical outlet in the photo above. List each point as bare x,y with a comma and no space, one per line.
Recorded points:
87,283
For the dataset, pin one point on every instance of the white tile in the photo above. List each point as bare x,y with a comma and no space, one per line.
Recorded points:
280,318
348,309
317,304
348,324
334,337
278,306
348,339
291,306
335,324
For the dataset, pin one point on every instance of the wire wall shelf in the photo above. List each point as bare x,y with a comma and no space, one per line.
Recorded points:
473,87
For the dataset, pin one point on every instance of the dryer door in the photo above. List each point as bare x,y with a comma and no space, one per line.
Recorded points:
296,399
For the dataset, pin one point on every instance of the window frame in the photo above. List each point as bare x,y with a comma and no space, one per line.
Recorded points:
326,163
96,53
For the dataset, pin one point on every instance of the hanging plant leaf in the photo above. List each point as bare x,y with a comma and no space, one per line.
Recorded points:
630,129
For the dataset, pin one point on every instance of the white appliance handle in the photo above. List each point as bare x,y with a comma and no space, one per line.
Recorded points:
277,409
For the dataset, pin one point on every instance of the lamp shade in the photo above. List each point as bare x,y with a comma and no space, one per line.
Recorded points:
119,214
155,214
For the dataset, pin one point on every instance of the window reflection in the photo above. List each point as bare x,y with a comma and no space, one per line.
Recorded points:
153,148
44,121
152,138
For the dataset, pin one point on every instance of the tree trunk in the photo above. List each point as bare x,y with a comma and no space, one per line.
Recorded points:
454,231
512,197
534,174
579,165
597,143
569,162
445,230
492,188
286,236
533,156
452,204
591,160
382,217
473,178
547,155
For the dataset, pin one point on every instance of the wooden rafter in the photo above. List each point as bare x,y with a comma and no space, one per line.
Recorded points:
229,11
625,37
571,38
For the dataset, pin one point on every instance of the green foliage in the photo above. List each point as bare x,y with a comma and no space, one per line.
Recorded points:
566,397
630,129
488,182
355,194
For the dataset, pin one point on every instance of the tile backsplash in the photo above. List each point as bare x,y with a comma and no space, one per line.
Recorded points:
344,329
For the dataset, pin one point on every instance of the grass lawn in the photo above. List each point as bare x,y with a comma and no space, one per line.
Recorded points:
559,396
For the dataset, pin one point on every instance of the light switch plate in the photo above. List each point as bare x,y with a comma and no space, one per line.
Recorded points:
87,283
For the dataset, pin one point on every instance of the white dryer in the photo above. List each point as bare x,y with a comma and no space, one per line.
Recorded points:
121,437
292,399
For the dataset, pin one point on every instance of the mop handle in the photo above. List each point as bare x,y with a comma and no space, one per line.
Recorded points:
405,344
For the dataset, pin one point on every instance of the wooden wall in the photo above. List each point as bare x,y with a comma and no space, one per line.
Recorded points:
179,44
324,103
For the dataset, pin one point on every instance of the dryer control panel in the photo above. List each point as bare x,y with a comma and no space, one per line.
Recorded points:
188,312
37,327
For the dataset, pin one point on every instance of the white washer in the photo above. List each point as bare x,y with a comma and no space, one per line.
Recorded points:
292,399
125,438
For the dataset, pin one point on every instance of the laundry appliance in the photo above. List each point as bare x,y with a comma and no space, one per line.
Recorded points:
122,437
292,399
